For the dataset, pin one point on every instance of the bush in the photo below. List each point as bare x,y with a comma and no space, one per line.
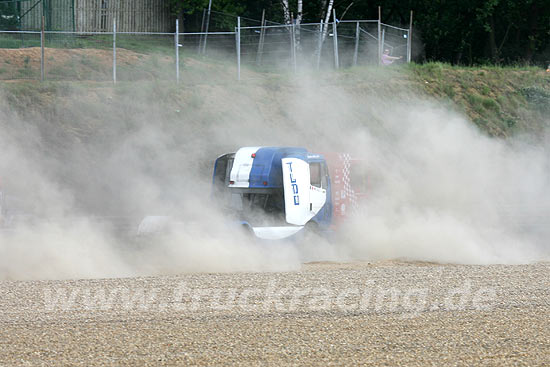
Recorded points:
490,104
537,97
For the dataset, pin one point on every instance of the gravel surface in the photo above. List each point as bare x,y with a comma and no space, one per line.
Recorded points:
387,313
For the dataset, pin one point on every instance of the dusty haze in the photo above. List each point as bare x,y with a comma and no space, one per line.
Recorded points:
439,189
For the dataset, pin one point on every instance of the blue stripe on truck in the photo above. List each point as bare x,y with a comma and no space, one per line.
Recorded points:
267,165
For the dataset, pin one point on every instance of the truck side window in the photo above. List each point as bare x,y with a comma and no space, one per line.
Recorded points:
315,174
228,170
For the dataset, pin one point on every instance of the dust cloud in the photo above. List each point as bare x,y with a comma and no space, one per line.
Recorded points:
443,191
78,180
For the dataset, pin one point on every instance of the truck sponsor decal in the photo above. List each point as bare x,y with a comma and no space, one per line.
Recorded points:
294,185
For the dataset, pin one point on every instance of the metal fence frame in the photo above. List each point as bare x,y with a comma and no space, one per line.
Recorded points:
323,27
291,28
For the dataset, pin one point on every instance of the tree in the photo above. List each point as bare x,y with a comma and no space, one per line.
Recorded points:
456,31
286,11
327,18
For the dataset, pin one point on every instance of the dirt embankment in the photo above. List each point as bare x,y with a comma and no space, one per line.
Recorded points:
72,64
499,100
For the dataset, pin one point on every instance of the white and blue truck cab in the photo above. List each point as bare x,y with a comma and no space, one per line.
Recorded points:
276,192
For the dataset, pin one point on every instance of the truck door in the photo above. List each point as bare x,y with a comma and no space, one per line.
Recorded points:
296,191
220,177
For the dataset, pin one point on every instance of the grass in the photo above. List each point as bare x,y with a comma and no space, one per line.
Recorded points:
92,62
538,97
19,40
147,44
501,100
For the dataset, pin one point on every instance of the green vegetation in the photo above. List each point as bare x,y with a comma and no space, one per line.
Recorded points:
500,100
464,32
157,44
470,32
9,40
538,97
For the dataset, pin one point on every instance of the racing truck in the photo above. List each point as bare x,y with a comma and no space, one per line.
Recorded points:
284,192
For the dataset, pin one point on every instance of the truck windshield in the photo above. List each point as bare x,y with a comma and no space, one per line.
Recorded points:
266,207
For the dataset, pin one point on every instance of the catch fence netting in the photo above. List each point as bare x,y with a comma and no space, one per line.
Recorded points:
395,39
126,56
320,46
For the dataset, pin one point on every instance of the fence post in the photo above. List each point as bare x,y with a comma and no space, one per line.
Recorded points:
379,35
114,50
261,42
383,40
42,39
320,47
177,44
293,45
357,35
335,35
206,30
409,39
199,48
238,40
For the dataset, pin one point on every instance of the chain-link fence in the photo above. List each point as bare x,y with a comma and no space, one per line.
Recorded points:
317,45
257,45
396,40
